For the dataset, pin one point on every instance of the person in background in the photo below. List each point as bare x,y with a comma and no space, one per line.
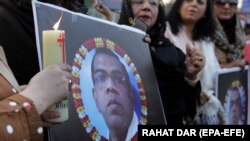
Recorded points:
247,45
114,96
247,30
106,12
191,23
17,34
20,110
174,70
230,37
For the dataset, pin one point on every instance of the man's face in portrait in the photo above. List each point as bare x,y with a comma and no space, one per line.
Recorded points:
112,92
235,108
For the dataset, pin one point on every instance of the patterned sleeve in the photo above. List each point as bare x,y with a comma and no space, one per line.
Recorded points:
19,120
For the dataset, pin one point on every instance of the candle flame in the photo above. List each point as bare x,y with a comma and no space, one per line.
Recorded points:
56,25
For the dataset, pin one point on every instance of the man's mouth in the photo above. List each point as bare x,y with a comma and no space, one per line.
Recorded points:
113,103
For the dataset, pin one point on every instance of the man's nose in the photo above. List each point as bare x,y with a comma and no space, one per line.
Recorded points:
110,83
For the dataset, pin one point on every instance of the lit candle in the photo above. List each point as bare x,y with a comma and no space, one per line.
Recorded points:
53,53
53,46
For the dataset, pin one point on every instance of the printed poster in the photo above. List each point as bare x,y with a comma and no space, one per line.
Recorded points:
113,77
233,92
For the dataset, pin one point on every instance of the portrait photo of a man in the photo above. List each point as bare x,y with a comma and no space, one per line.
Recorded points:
111,90
235,105
113,95
232,91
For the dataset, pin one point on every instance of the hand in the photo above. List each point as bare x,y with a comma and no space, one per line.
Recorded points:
48,86
147,39
103,9
195,62
203,98
238,63
50,115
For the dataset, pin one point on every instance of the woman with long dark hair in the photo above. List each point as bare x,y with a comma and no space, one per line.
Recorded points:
192,23
173,69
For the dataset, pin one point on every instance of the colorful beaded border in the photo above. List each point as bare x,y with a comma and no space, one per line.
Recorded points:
88,46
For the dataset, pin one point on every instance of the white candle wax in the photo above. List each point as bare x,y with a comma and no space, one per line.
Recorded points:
54,52
53,47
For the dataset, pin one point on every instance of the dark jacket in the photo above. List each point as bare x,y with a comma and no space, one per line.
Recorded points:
17,36
178,97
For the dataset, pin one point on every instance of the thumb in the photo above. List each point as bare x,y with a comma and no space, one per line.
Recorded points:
188,49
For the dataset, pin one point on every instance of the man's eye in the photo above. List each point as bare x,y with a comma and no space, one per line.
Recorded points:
100,76
118,78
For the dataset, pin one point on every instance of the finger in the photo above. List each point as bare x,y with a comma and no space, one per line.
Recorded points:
188,61
243,62
60,66
50,115
188,49
65,67
67,86
49,124
97,7
197,58
196,52
67,74
147,39
198,65
203,98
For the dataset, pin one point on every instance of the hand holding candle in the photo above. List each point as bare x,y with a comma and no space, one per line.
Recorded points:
54,52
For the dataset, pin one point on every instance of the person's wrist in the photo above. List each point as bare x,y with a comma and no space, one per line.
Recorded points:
40,105
192,80
109,16
191,77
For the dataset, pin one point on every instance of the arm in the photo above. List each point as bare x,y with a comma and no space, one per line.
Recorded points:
18,120
236,63
20,113
195,62
192,97
104,10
